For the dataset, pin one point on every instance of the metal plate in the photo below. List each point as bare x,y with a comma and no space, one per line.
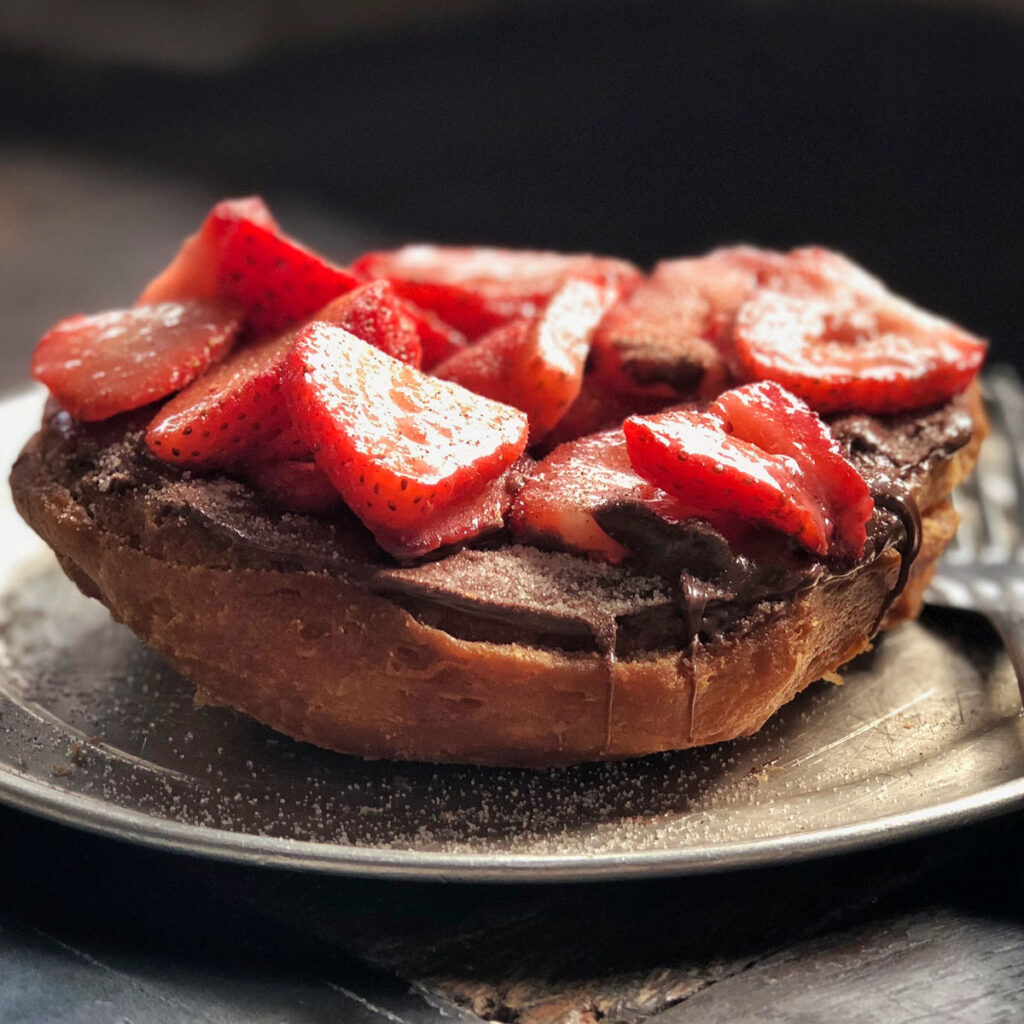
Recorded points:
97,731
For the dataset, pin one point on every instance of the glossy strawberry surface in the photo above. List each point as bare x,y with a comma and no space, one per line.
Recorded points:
97,366
779,423
240,253
876,356
195,270
760,455
233,411
476,289
375,314
402,448
536,365
557,506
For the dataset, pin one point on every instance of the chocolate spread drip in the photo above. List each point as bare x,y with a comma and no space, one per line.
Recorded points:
694,595
713,583
898,500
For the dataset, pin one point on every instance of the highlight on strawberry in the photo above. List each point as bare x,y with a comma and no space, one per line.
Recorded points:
758,454
98,366
402,448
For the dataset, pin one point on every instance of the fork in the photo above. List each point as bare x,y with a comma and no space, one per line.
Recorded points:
983,568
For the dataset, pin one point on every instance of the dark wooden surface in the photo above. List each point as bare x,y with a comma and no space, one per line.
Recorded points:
95,930
92,929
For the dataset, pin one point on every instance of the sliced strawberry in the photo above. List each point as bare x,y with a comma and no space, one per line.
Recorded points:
874,354
778,422
97,366
401,447
760,455
235,409
195,273
238,412
536,365
478,289
671,336
474,516
374,314
240,253
557,506
690,456
816,272
298,486
653,343
288,446
597,408
438,340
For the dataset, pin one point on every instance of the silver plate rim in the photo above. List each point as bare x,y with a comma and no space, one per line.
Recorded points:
97,816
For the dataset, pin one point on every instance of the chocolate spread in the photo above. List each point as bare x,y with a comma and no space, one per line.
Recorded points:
685,582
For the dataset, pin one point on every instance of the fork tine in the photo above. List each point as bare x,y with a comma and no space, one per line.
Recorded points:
1006,407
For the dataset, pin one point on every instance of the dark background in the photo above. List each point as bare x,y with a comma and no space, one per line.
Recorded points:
892,131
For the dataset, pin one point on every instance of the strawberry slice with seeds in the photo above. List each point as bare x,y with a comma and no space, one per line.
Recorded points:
299,486
690,456
475,516
877,354
374,314
438,340
98,366
237,412
402,448
557,506
757,454
778,422
240,253
194,273
536,365
235,409
478,289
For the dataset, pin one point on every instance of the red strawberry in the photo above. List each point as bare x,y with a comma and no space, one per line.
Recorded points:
194,273
535,365
671,336
235,409
652,343
877,355
97,366
437,339
556,506
778,422
298,486
596,408
474,516
241,254
478,289
374,314
401,447
815,272
757,454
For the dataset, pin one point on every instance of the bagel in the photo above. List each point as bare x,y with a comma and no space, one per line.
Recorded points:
502,654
